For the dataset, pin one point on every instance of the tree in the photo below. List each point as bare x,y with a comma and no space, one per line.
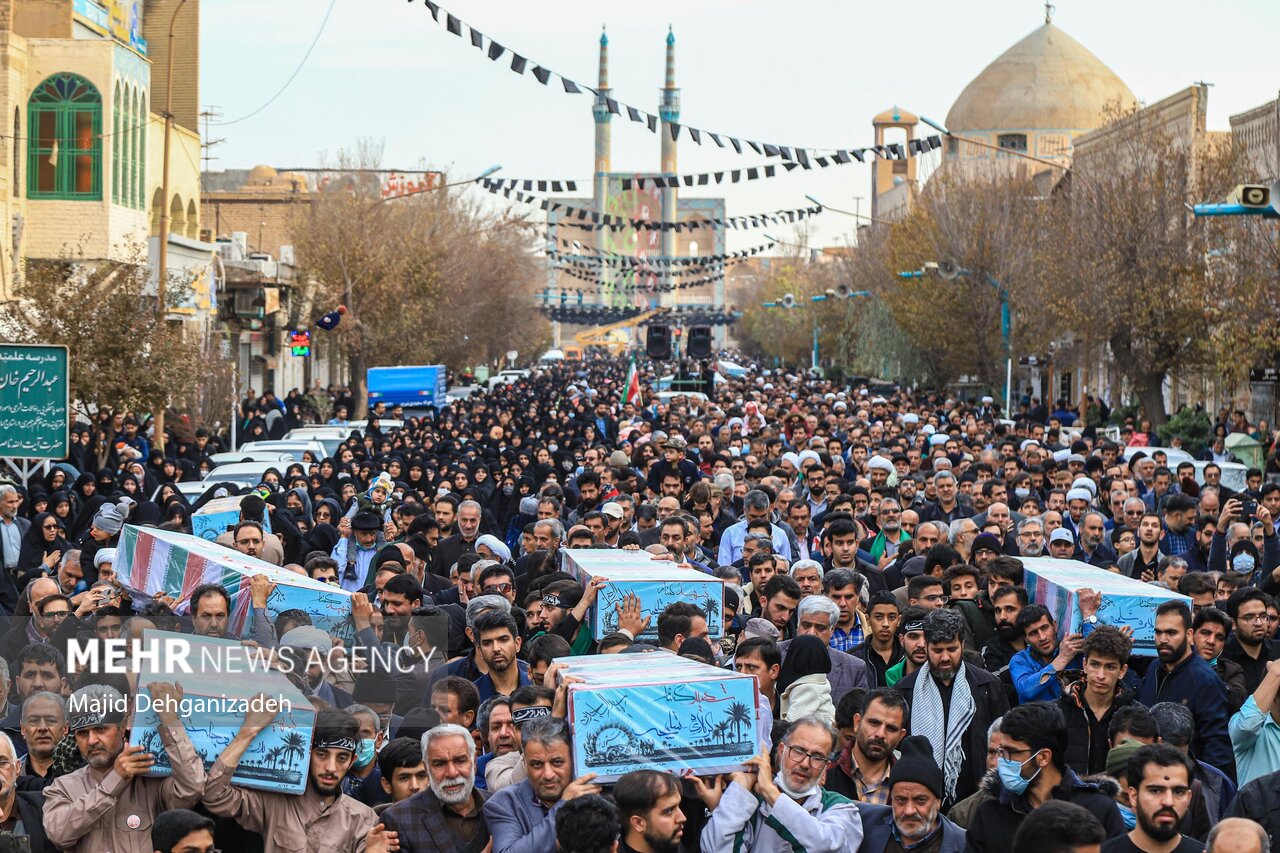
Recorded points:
1128,267
425,278
782,334
123,356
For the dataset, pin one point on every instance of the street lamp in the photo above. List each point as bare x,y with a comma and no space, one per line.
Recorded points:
788,301
949,271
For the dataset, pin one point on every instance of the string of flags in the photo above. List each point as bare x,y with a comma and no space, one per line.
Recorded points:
622,266
654,260
520,64
733,176
590,220
637,287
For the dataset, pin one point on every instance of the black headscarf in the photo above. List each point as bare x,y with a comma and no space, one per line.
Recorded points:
807,655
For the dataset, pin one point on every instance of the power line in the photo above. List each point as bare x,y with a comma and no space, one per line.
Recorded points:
292,76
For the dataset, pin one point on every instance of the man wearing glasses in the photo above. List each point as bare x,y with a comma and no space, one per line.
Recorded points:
764,811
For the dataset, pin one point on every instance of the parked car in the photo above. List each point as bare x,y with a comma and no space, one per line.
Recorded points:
295,449
247,454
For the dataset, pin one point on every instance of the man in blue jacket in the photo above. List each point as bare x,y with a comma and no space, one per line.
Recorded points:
1183,676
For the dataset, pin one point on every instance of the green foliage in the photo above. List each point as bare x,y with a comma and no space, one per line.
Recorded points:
1191,426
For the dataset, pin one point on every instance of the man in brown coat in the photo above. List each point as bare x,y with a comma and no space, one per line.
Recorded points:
323,818
109,804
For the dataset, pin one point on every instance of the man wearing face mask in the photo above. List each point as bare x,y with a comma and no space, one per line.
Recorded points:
363,780
766,811
1032,771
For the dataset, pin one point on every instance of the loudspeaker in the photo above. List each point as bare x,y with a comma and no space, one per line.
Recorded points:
699,342
658,343
1254,195
948,269
789,301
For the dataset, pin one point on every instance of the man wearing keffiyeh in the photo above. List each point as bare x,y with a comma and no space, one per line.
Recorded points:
953,704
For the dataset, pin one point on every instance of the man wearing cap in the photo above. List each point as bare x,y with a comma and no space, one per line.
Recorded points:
912,820
673,461
322,818
613,514
1062,544
109,804
356,549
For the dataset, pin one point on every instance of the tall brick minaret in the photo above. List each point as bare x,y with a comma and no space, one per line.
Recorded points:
669,111
604,144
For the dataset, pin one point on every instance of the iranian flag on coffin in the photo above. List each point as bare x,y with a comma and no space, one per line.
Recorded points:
151,561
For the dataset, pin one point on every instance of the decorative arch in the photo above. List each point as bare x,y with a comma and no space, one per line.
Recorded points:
64,149
144,118
177,217
193,220
135,191
157,208
117,144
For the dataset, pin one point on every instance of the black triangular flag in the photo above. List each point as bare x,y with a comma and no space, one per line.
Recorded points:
570,86
753,174
790,164
571,186
735,175
715,137
688,180
634,114
652,121
769,171
737,146
822,161
518,63
613,106
452,24
626,184
435,10
556,187
477,38
858,154
785,152
674,130
719,176
842,157
495,50
755,146
542,74
702,179
697,137
803,157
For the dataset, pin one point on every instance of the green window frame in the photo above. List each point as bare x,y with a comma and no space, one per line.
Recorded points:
64,149
117,143
144,120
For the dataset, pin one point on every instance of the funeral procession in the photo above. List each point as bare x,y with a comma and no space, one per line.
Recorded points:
417,434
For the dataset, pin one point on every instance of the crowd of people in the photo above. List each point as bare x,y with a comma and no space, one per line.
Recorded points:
913,693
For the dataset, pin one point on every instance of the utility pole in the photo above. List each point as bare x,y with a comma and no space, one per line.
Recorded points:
162,274
209,143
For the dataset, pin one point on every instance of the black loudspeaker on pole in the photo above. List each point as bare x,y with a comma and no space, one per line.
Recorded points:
658,343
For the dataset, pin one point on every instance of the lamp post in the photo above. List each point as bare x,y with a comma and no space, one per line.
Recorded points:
949,271
162,273
789,301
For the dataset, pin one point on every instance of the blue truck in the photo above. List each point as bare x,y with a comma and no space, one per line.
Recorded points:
411,386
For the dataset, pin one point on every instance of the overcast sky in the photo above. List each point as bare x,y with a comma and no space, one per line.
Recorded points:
801,72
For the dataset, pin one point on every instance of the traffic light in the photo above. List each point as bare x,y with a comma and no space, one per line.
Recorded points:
699,345
658,343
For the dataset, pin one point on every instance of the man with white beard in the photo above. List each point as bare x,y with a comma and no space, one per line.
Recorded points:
763,812
448,814
912,819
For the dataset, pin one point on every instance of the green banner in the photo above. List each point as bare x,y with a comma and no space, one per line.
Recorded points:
35,401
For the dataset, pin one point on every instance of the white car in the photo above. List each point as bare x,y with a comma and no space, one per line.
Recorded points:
294,449
241,473
1175,455
188,489
247,454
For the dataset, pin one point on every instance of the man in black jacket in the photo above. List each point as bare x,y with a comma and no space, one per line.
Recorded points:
1089,704
953,704
1033,771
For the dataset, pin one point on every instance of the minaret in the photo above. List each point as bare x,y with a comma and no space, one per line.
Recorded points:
669,110
604,140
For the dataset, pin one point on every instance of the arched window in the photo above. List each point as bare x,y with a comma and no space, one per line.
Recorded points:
177,219
193,220
134,193
64,152
144,119
117,142
157,210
